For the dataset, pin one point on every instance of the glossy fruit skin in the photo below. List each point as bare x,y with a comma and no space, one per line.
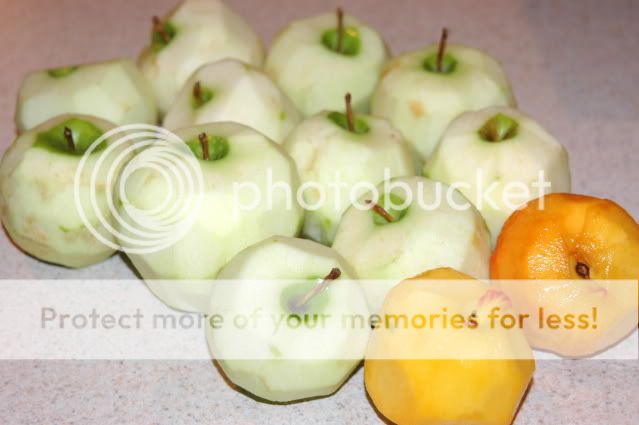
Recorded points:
547,243
433,391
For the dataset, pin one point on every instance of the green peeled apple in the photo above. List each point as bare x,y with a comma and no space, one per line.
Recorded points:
308,289
326,150
195,33
113,90
37,201
230,217
421,92
499,152
400,236
230,90
316,60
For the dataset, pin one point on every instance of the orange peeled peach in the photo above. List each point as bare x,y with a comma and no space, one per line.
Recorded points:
593,242
473,374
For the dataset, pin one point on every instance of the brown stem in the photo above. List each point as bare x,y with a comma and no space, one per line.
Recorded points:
334,274
68,135
204,142
340,29
583,270
349,112
381,211
442,48
158,27
197,92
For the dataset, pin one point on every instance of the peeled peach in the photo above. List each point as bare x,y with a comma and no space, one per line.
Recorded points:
593,242
473,374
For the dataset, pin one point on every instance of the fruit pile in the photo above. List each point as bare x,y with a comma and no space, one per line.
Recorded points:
327,100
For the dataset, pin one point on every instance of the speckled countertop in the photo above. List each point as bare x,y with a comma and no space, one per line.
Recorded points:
574,68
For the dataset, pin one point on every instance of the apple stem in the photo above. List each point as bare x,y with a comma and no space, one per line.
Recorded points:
68,135
583,270
340,29
442,48
158,27
381,211
204,142
349,113
334,274
197,92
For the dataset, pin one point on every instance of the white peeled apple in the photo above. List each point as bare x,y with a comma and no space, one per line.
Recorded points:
113,90
421,94
37,195
393,241
230,90
301,296
358,151
315,69
195,33
237,208
495,157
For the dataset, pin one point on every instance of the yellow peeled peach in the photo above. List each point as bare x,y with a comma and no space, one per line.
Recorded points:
569,254
473,374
